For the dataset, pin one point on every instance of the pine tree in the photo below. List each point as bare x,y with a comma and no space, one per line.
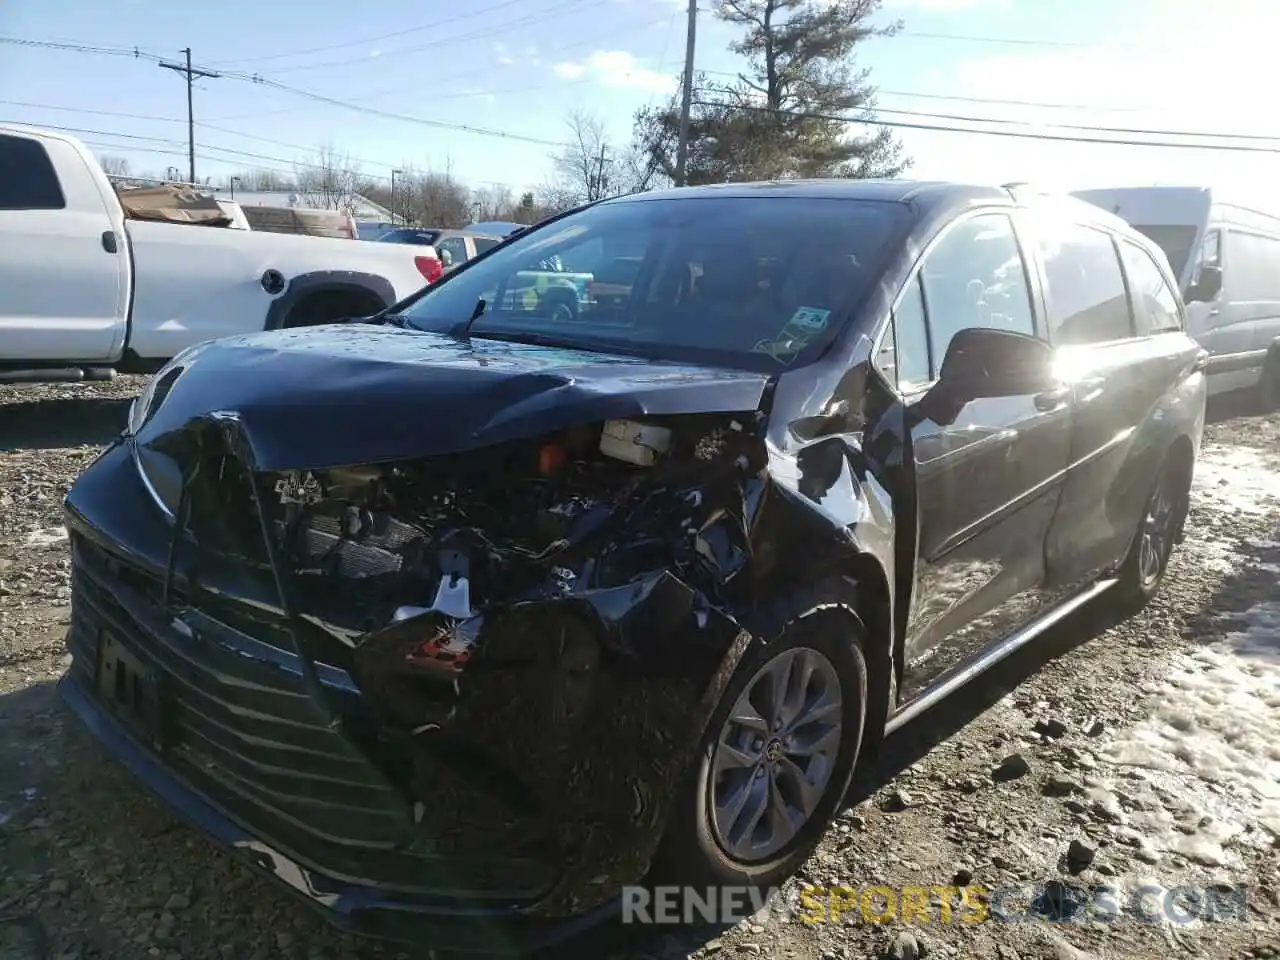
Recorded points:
776,121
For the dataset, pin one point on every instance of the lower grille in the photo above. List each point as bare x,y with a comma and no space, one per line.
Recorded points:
243,732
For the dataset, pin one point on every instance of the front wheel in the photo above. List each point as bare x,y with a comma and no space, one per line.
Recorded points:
774,763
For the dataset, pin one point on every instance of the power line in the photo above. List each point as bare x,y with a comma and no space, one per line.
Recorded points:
453,18
1020,134
406,118
91,112
76,47
593,40
1032,41
571,6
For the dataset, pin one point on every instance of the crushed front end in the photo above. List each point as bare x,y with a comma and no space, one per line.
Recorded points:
453,693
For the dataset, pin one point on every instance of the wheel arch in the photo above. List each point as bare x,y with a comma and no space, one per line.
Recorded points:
307,286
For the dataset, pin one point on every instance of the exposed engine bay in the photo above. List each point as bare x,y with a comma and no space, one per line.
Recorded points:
588,507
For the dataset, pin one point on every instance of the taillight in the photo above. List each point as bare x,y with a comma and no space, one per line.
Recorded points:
430,268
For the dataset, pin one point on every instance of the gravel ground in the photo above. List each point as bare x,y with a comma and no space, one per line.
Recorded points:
1139,752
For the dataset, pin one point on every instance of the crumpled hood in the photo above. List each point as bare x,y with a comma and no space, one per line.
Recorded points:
337,395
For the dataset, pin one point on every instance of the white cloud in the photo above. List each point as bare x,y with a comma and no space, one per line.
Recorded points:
501,54
618,69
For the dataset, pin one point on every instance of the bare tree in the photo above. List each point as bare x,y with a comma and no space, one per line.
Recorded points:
114,166
493,202
264,180
589,168
331,181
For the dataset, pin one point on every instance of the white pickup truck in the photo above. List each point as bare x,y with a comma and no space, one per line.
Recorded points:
85,292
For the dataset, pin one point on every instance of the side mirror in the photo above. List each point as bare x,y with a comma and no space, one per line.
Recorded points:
981,363
1207,286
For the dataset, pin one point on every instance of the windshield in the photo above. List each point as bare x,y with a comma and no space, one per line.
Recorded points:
759,283
422,237
1175,241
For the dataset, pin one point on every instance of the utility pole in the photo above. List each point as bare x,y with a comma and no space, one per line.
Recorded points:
682,149
191,74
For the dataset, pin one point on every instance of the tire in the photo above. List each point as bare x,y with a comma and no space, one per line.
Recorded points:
1159,529
562,306
1269,385
696,851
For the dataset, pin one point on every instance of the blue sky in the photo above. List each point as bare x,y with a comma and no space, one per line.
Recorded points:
521,66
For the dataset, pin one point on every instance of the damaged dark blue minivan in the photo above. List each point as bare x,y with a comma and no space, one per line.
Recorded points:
605,558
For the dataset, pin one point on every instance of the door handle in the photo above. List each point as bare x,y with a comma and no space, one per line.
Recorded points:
1053,398
109,241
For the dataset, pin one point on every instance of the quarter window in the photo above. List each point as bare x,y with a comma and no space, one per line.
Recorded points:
974,277
1155,305
1086,294
904,356
27,178
455,247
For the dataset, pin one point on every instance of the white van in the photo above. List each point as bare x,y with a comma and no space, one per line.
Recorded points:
1227,261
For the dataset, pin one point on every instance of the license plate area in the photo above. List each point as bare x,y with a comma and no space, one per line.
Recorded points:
131,690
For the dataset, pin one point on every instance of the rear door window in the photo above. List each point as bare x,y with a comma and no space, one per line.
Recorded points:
27,178
1085,293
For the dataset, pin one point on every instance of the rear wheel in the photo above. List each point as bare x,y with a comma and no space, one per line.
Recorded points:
1269,385
774,764
1162,519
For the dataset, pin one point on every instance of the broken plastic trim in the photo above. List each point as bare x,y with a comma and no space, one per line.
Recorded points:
181,521
310,675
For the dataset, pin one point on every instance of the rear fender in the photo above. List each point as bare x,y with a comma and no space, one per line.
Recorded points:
327,281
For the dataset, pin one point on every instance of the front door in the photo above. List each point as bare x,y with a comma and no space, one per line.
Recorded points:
64,283
987,484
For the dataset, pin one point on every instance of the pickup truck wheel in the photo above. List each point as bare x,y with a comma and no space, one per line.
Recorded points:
1158,531
774,764
561,306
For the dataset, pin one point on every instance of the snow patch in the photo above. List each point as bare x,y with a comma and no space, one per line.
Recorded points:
46,538
1236,478
1214,729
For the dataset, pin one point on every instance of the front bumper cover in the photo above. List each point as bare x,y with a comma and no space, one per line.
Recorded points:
355,909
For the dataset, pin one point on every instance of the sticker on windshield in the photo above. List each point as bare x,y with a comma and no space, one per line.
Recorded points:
805,324
812,319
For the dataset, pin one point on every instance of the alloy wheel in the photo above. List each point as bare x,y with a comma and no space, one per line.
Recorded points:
775,754
1157,530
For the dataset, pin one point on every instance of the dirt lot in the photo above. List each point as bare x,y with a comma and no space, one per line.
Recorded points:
1137,753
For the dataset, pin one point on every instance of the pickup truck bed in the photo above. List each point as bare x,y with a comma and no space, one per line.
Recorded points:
85,292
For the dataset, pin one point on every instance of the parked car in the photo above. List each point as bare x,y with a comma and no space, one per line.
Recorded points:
89,291
454,247
1226,257
457,621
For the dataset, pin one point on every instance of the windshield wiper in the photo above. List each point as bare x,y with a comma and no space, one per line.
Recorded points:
465,333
